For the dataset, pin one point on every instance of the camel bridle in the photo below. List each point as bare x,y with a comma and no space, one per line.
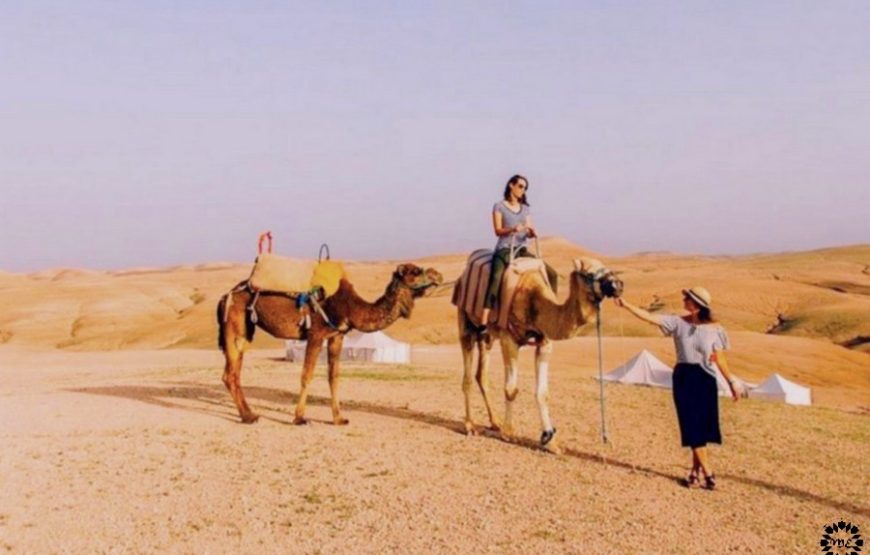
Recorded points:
397,277
598,288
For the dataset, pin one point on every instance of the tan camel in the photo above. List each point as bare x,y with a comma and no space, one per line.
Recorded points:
279,316
535,313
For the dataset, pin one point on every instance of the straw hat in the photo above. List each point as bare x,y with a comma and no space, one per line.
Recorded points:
700,295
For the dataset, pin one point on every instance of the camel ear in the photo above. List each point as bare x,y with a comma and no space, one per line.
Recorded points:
402,269
578,265
590,264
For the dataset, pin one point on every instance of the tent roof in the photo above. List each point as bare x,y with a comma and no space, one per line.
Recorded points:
643,368
644,358
777,384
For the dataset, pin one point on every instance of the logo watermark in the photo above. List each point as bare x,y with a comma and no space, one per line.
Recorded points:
842,538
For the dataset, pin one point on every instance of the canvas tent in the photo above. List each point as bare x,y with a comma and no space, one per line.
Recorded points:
777,388
366,347
645,369
375,347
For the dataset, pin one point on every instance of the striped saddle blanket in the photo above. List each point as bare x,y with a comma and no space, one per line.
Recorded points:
471,288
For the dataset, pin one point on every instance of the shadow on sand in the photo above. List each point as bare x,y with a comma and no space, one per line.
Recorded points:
218,403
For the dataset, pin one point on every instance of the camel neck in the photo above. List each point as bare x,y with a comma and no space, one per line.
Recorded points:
367,317
563,321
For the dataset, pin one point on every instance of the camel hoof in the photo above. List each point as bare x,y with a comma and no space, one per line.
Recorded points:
250,418
548,442
494,427
512,395
340,421
300,421
470,429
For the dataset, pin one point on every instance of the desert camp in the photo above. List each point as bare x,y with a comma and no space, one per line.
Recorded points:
434,278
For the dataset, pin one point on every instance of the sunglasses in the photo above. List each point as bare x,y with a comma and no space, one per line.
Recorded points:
521,186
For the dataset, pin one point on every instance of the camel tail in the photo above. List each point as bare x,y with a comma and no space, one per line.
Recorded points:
222,342
223,314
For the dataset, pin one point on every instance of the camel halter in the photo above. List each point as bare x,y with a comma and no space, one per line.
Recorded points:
593,281
604,438
400,283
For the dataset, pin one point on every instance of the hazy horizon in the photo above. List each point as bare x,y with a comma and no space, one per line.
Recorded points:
161,134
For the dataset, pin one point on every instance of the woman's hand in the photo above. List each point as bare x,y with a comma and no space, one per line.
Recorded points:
736,390
718,358
531,231
519,228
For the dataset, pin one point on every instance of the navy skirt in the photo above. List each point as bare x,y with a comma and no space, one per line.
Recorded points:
696,397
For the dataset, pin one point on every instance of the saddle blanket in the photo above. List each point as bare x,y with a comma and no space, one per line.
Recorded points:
292,275
470,290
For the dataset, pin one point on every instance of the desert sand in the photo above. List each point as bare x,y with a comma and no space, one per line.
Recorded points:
118,435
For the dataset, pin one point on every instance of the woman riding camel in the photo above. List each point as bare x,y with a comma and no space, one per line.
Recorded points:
512,223
700,344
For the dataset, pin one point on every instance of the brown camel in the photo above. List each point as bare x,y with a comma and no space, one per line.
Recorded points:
279,316
536,313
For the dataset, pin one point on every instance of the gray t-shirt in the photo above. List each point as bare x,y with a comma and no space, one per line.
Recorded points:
511,219
695,343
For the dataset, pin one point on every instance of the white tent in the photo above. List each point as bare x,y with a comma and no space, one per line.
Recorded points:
296,351
367,347
375,347
645,369
777,388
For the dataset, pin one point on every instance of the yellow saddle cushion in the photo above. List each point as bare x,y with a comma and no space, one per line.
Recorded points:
327,274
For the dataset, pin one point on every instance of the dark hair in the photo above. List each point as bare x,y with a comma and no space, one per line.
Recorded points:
705,315
513,180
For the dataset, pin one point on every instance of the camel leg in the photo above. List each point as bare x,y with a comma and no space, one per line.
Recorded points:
333,351
510,352
312,352
466,343
234,351
542,370
483,380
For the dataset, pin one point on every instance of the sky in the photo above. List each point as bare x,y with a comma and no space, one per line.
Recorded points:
173,132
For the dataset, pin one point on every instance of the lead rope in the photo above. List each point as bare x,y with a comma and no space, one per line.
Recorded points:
601,374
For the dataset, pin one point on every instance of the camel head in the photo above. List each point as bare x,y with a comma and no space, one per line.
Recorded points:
415,279
597,279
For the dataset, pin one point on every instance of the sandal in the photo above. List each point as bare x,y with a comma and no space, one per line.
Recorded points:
692,481
710,482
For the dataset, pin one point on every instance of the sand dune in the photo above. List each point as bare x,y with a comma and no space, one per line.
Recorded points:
820,296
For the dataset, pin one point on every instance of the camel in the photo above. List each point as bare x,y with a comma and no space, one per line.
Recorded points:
535,313
278,315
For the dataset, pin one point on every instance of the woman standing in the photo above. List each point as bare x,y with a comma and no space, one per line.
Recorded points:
512,223
700,344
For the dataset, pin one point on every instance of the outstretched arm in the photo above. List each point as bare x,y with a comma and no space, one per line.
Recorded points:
638,312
